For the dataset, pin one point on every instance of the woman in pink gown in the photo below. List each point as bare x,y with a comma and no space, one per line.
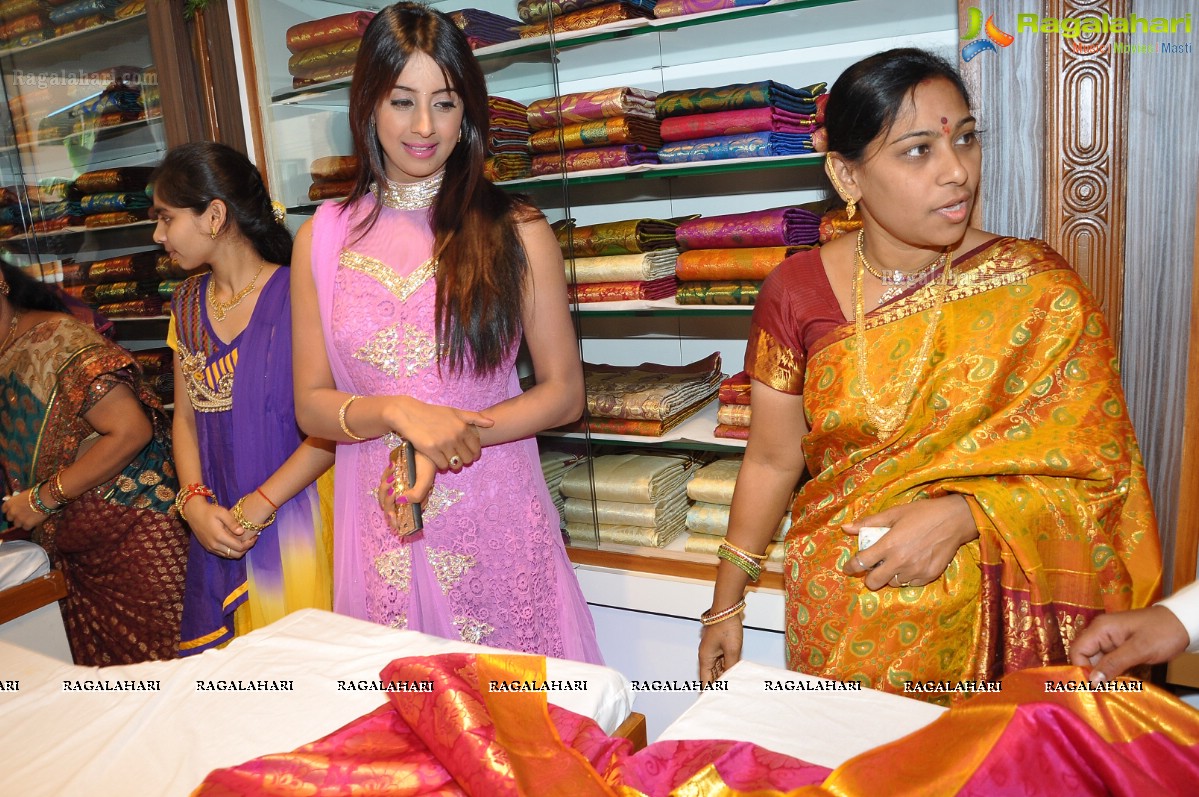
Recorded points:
424,281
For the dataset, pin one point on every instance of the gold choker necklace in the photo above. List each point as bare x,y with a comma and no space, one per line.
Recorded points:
897,281
887,420
409,196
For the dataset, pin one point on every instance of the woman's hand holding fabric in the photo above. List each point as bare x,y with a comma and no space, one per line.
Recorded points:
217,531
924,538
446,435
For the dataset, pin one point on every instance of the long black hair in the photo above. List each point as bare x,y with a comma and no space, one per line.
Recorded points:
868,96
26,293
482,266
193,175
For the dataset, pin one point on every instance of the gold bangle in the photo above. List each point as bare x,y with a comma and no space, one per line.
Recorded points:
37,504
239,515
760,557
57,493
712,618
341,418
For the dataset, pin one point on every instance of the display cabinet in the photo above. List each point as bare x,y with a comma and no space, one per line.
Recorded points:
85,120
796,43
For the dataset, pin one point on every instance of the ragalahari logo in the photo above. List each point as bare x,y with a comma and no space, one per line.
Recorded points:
974,25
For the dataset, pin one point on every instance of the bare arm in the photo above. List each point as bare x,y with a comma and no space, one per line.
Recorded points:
773,463
558,396
311,458
124,430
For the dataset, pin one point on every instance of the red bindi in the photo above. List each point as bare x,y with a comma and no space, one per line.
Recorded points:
945,125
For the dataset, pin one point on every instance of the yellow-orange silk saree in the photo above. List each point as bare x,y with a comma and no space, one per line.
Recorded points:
1019,409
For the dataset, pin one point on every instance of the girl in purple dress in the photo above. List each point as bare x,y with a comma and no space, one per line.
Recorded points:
259,548
424,281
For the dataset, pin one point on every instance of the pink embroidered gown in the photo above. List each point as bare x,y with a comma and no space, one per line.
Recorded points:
490,566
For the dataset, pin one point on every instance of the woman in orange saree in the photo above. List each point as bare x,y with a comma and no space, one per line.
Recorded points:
954,386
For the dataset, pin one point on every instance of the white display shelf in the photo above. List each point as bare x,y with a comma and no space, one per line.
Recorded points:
660,307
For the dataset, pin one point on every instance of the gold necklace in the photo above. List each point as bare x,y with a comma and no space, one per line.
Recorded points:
887,420
221,309
409,196
897,281
12,331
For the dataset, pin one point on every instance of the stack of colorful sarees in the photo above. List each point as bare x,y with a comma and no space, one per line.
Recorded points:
604,129
466,736
79,15
619,260
681,8
325,49
508,156
742,120
725,258
542,16
734,413
110,197
482,28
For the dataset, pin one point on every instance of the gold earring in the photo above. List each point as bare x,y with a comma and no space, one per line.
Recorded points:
851,205
212,232
4,289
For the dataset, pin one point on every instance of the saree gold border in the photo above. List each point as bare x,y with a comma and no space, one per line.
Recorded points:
53,397
994,267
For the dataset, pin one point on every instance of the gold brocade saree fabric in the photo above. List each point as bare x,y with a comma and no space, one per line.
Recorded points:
1022,413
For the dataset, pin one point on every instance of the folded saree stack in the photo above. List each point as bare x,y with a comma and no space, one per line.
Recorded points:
554,467
733,414
542,16
646,400
742,120
325,49
23,22
708,518
727,257
681,8
603,129
23,205
482,28
615,278
332,177
639,499
628,237
508,133
109,197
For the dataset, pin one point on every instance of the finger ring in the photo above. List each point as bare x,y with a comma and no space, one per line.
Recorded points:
455,461
228,551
